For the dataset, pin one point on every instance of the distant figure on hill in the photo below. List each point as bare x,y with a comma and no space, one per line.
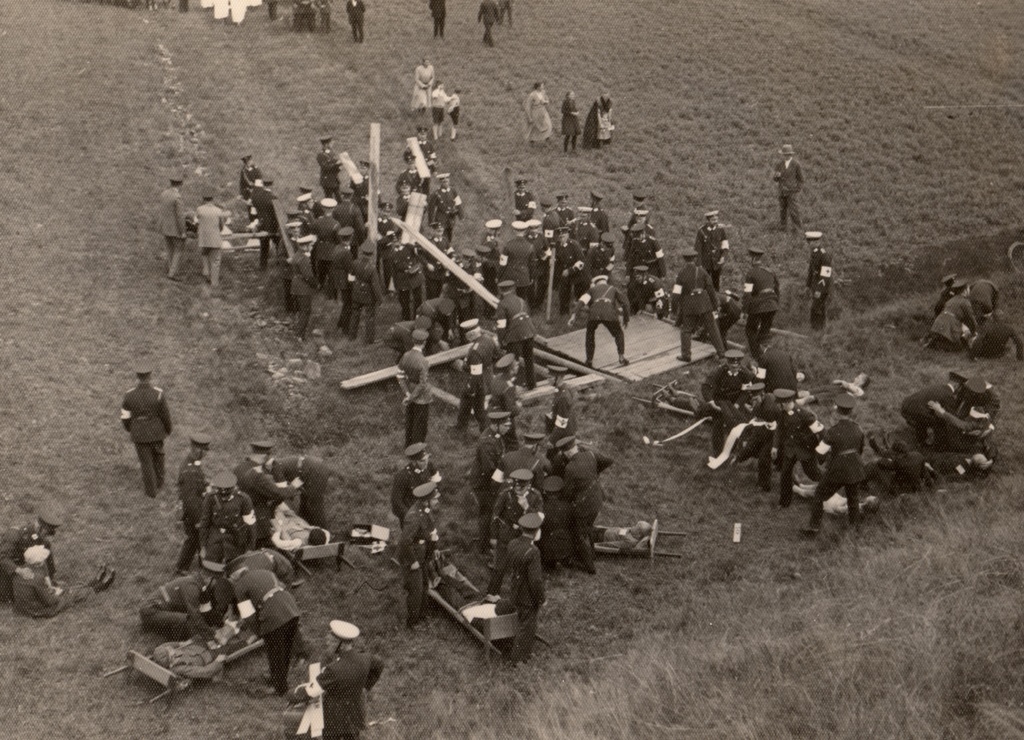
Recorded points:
356,9
488,15
597,131
172,225
437,12
538,121
570,121
422,81
146,418
790,178
505,8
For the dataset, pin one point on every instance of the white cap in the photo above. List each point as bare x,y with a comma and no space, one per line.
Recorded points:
36,555
307,239
245,609
329,203
293,224
469,324
344,630
812,235
304,197
494,223
258,183
533,223
519,225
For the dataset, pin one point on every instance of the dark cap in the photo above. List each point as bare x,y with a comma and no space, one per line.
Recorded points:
326,139
177,179
757,251
553,484
845,401
507,285
949,278
207,193
608,238
976,386
415,450
956,377
224,481
534,436
304,189
784,394
505,361
262,445
47,514
546,203
521,181
565,442
346,231
688,253
143,368
363,163
268,181
531,521
419,335
246,157
959,284
421,129
522,474
424,489
596,196
199,439
637,228
561,196
734,354
497,415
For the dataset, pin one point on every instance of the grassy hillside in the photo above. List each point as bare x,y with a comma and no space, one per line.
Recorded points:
908,631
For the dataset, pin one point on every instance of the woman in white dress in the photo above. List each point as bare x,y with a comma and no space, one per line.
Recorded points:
423,79
538,121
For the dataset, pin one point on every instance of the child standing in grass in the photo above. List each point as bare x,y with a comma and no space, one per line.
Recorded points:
452,107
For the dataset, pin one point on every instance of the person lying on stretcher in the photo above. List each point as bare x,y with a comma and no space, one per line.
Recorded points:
444,577
202,659
291,531
637,537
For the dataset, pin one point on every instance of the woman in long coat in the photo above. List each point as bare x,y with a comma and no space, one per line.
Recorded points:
423,79
570,121
538,121
597,131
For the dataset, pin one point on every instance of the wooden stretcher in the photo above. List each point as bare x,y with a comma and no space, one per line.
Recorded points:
173,684
648,550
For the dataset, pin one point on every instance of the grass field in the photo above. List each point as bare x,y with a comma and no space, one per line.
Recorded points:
908,631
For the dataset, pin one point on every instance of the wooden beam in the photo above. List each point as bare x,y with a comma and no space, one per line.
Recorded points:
421,164
576,367
438,358
543,391
373,189
444,396
350,167
414,214
282,219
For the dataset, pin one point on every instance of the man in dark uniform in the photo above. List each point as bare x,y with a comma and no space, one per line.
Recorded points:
551,222
256,480
504,395
433,273
777,369
606,306
697,297
758,438
414,378
760,302
268,559
722,391
585,232
356,10
437,12
329,164
367,295
524,201
562,421
324,9
417,471
191,489
263,202
266,604
488,15
599,259
598,217
843,444
225,527
790,178
583,489
643,249
247,177
406,269
946,293
479,372
819,279
984,297
146,418
303,282
347,213
312,477
341,275
514,500
571,277
192,605
515,329
644,290
515,262
711,245
18,539
445,205
992,338
566,215
929,428
527,584
342,683
441,312
528,457
485,474
416,547
796,439
361,192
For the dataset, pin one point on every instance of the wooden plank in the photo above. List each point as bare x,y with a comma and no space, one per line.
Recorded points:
414,214
152,669
373,188
576,367
421,163
439,358
445,396
350,168
668,361
281,221
457,616
242,652
544,391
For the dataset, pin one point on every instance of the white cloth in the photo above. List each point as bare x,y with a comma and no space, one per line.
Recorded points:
221,9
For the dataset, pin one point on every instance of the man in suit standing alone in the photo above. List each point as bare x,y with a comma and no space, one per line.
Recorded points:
172,225
790,178
356,9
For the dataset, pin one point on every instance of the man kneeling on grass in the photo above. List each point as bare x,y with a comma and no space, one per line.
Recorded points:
35,595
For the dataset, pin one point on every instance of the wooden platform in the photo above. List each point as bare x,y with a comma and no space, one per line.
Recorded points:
652,347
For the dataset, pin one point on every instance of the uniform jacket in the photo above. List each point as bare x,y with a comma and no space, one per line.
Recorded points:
444,206
798,434
778,370
599,260
843,444
644,289
524,459
247,178
512,319
172,216
956,314
303,279
419,538
186,595
723,385
356,9
264,559
329,166
406,267
819,272
145,415
415,370
263,201
582,486
490,448
274,605
711,244
315,488
403,483
344,681
916,405
226,525
645,251
265,494
603,303
480,362
508,509
367,289
563,410
760,291
516,262
525,204
694,292
191,489
526,589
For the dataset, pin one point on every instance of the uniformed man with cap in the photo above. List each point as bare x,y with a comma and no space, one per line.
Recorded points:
192,605
584,231
226,526
760,301
419,469
524,202
347,213
247,177
36,595
445,205
341,277
255,478
643,249
312,477
759,435
414,379
263,202
565,212
571,276
434,274
488,253
516,261
17,540
515,329
341,685
696,298
551,221
145,416
526,586
955,325
504,396
722,390
416,547
265,558
842,445
406,269
712,245
528,457
514,500
646,291
367,295
361,190
796,440
269,608
478,368
916,409
598,216
192,486
330,165
601,258
580,473
946,293
441,312
542,256
325,228
562,421
604,305
819,279
303,284
486,476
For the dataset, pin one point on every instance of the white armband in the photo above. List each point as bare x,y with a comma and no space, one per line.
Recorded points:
561,422
677,289
748,287
577,265
532,204
478,276
593,245
436,477
458,200
659,255
659,293
125,414
497,476
549,234
960,469
725,244
585,299
817,426
433,536
205,607
501,323
760,373
826,271
477,369
245,609
822,448
249,518
503,260
296,482
313,690
351,278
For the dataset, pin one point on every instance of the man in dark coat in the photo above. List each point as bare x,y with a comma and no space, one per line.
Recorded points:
843,444
712,244
515,328
488,15
18,539
226,525
341,686
583,489
256,480
263,202
796,439
697,301
819,279
191,489
722,391
414,379
515,500
247,177
416,549
417,471
266,604
438,12
992,338
329,164
928,427
515,262
485,475
790,178
760,302
192,605
356,9
605,306
526,589
146,418
312,477
367,295
479,372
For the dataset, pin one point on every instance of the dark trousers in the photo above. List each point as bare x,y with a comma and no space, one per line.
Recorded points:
484,510
417,415
570,288
330,191
369,312
432,288
525,292
819,307
410,300
581,526
788,206
279,653
759,329
716,277
688,322
438,26
272,9
523,350
345,316
290,305
569,139
488,39
616,331
151,459
826,489
325,19
760,446
190,546
415,583
357,30
172,625
471,403
522,646
304,306
810,467
500,563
